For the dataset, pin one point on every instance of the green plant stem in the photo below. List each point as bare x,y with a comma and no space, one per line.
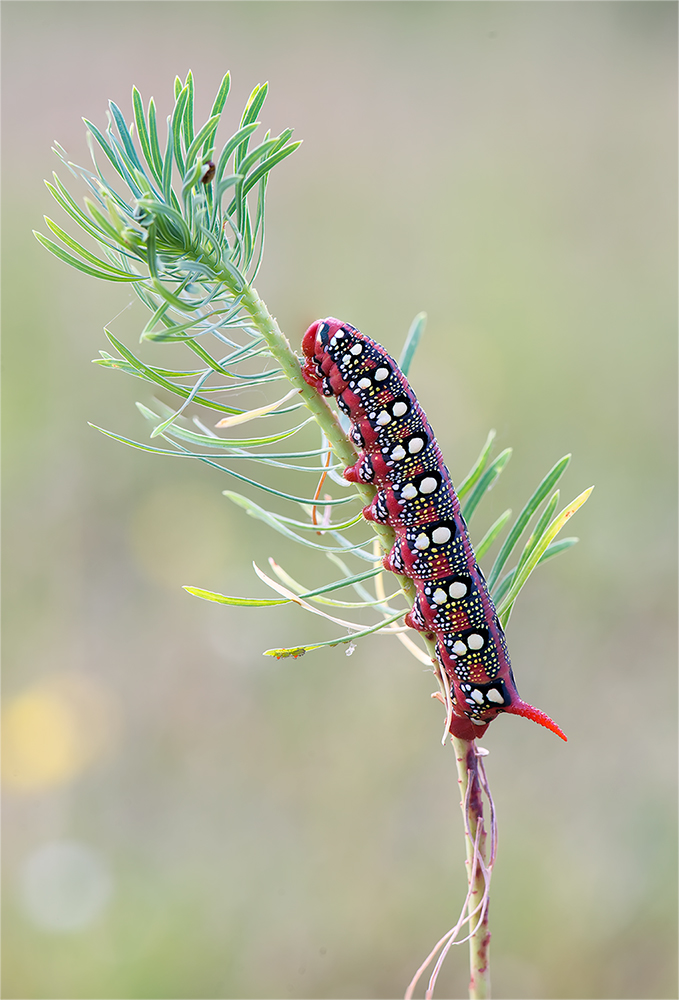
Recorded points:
465,752
281,350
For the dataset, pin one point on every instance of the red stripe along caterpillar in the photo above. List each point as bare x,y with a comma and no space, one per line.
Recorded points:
415,496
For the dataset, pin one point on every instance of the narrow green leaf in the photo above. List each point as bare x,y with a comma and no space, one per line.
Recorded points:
264,149
155,143
236,139
208,595
520,579
343,568
64,200
243,602
412,340
553,549
306,526
151,376
104,224
348,581
317,597
118,364
544,488
217,442
486,482
187,120
492,534
79,265
203,138
539,530
143,133
236,475
104,145
190,179
268,165
252,109
173,416
85,254
343,641
167,163
125,136
175,128
472,477
222,94
260,514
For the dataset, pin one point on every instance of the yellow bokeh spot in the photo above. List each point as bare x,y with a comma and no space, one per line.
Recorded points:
54,730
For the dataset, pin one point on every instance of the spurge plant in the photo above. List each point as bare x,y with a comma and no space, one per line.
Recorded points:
184,225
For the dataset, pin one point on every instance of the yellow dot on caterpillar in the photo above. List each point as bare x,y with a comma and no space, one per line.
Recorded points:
440,596
457,590
459,648
399,409
422,542
398,453
381,374
408,491
475,641
440,535
364,383
494,695
428,485
356,349
415,445
383,418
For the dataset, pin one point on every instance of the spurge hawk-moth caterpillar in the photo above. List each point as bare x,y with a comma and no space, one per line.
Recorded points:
399,456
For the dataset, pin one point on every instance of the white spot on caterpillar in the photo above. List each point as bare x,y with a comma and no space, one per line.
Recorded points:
422,542
338,335
383,418
440,596
408,491
428,485
346,358
364,383
356,349
399,409
457,590
477,722
440,535
398,453
381,374
415,445
477,696
459,648
494,695
475,641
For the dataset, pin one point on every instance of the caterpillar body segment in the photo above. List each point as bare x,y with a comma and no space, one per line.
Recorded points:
415,496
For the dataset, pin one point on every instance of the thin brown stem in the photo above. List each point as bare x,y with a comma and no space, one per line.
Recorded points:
480,856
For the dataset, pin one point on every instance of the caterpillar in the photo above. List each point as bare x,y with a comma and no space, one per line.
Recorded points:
399,456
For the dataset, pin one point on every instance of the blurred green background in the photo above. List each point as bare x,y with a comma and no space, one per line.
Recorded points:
185,818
